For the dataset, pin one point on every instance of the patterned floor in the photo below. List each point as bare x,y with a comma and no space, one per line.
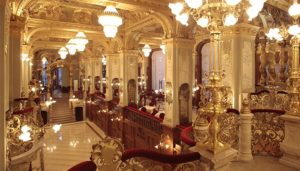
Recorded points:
61,113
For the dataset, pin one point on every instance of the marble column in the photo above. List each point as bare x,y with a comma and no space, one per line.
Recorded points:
25,70
4,75
179,60
128,72
112,71
238,60
16,62
245,135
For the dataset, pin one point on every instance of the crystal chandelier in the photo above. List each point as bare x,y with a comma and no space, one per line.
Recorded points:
110,19
215,12
81,41
44,60
72,46
147,50
63,52
281,33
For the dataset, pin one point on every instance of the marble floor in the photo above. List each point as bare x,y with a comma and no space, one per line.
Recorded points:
70,146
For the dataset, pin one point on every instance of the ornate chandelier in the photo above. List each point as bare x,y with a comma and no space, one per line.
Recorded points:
81,41
147,50
110,19
72,46
63,52
214,13
281,33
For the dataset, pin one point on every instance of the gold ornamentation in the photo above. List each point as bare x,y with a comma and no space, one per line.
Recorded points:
215,106
229,126
169,94
278,100
267,132
107,153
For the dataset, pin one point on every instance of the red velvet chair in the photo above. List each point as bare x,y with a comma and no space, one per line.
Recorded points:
84,166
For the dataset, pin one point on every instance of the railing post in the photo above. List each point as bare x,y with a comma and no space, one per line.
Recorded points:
245,152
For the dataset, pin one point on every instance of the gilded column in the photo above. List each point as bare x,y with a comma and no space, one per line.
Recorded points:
128,77
178,74
71,81
4,75
112,71
238,60
290,145
16,28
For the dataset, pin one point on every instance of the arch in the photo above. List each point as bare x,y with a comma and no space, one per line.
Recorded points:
115,89
198,66
131,90
166,24
184,97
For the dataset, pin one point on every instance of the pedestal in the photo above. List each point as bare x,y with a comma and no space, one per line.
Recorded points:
216,162
290,145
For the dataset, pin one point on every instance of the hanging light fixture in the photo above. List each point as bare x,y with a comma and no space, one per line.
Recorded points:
44,60
163,48
63,52
72,47
294,30
81,41
207,13
110,19
294,9
147,50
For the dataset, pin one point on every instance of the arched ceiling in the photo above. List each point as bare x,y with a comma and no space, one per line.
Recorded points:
51,23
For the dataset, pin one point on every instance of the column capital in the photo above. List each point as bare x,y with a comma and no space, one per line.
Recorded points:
243,29
179,40
17,25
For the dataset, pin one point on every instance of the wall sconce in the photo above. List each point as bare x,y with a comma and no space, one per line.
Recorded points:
169,94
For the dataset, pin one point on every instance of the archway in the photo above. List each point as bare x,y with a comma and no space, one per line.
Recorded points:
115,89
131,88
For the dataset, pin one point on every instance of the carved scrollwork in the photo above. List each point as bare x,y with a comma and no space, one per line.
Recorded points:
107,153
139,164
270,100
229,126
267,132
206,95
80,16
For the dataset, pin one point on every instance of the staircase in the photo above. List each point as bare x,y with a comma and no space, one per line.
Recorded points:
61,113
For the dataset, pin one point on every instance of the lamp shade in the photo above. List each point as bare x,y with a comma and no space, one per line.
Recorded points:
63,52
72,47
110,19
147,50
